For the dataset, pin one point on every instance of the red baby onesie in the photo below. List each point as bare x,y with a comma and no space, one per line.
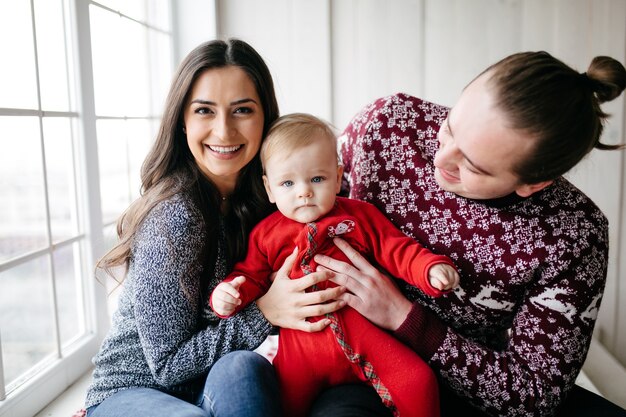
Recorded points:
351,349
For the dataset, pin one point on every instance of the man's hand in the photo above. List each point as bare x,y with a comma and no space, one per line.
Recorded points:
370,292
287,304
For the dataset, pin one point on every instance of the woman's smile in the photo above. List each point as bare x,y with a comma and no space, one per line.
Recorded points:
224,152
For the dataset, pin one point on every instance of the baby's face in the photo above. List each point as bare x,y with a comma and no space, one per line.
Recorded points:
304,183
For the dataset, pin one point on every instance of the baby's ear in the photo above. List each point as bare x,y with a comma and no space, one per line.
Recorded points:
339,177
266,183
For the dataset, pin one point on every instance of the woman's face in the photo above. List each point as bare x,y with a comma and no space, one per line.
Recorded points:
478,149
224,124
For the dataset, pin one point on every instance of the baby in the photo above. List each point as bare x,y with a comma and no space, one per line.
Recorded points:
303,177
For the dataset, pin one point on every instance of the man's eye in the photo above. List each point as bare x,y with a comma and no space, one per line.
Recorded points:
472,170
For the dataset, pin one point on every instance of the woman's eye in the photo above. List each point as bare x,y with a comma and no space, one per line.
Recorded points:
317,179
203,110
243,110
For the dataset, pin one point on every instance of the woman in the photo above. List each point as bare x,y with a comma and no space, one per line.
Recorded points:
482,183
202,193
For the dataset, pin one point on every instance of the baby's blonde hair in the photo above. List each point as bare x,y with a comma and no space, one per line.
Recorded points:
295,131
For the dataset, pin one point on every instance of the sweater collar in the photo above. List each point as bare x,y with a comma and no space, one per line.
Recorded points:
501,202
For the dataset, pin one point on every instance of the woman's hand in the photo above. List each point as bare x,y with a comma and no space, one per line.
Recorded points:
370,292
287,305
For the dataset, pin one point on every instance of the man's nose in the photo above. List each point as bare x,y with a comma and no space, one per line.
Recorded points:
448,155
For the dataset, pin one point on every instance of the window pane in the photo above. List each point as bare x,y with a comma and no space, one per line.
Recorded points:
112,284
161,66
153,12
18,84
136,83
121,71
114,169
61,179
108,68
140,136
67,267
159,14
26,317
112,4
137,9
22,212
53,75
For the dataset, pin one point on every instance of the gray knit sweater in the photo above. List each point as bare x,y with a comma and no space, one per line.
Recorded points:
161,337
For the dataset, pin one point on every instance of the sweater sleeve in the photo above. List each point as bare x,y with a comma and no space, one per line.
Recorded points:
255,267
400,255
547,347
166,254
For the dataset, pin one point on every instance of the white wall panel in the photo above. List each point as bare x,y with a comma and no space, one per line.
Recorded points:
195,21
377,51
293,36
462,39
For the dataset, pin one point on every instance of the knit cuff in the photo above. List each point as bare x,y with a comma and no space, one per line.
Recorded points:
422,331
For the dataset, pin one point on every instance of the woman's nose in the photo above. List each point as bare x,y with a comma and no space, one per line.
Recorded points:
222,127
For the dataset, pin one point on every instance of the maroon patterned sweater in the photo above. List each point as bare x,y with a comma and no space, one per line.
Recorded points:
513,337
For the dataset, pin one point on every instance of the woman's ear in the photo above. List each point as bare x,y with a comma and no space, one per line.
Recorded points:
527,190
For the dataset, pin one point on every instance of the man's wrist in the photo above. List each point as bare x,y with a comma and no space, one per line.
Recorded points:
400,314
421,331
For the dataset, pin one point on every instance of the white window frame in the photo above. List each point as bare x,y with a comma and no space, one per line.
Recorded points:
54,377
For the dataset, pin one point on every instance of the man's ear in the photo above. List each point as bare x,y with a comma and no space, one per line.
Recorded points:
339,178
266,183
526,190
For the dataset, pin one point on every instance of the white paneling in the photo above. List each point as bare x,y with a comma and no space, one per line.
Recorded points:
293,36
462,39
193,23
537,28
377,51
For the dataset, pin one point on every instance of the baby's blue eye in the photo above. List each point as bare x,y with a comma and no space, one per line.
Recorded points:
287,183
317,179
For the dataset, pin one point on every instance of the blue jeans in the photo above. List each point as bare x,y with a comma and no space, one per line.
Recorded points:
240,384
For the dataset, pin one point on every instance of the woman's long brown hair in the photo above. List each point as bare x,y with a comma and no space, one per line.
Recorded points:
170,169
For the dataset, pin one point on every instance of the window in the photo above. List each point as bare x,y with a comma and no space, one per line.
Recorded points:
72,140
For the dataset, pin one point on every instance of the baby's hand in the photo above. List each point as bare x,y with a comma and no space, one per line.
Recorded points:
443,277
225,297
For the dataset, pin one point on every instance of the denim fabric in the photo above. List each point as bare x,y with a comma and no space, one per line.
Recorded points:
240,384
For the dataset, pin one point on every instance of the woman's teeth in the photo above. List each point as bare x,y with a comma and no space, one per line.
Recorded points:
224,149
